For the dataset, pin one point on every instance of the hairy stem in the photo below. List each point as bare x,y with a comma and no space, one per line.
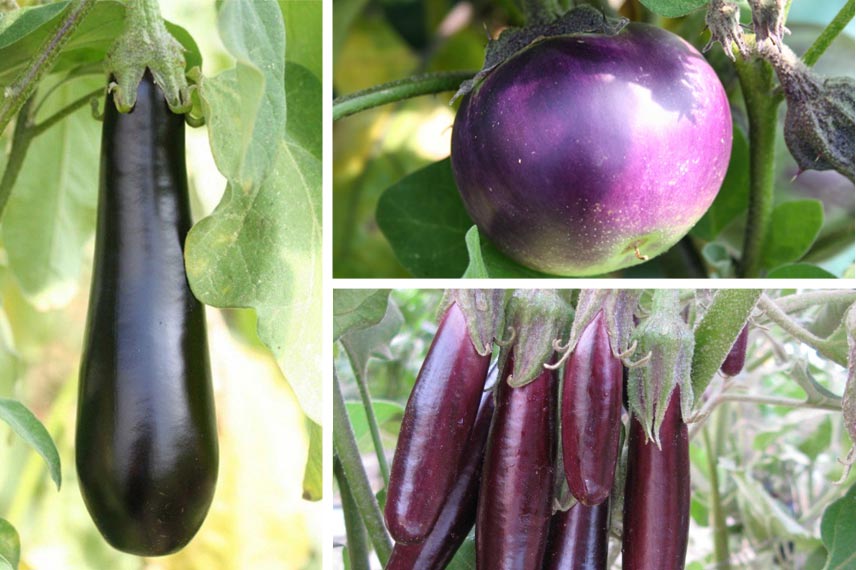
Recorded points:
358,550
777,401
21,139
778,316
371,419
23,86
756,82
345,446
802,301
825,39
423,84
717,514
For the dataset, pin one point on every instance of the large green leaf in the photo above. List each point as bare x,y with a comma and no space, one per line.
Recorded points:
30,429
355,309
10,546
51,212
261,247
838,531
793,228
487,261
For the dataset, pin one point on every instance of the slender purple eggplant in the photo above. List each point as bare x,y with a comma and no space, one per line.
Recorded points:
657,495
736,357
459,513
515,499
579,538
591,415
435,430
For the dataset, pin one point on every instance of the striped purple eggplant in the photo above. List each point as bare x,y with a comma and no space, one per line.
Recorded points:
579,538
516,492
459,512
657,495
436,428
591,415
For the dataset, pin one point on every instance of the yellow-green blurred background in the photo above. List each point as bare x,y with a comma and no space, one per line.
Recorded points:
258,519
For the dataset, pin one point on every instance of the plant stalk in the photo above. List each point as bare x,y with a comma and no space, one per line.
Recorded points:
423,84
22,88
828,35
717,516
756,82
358,551
345,446
371,419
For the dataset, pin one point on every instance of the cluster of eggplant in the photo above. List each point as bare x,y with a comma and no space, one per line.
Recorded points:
474,454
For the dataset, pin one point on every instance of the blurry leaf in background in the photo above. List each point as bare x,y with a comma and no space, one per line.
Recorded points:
355,309
301,47
50,216
271,206
9,364
10,545
384,410
303,93
313,473
424,219
838,530
365,343
793,229
30,429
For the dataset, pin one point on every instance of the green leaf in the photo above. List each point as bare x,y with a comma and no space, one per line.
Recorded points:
424,220
771,521
22,38
838,532
794,227
303,33
304,95
733,196
374,341
384,410
10,546
9,362
715,334
355,309
30,429
313,474
192,55
50,216
716,254
261,247
487,261
673,8
800,271
465,558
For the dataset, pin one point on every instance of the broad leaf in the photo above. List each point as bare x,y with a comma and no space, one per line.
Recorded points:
261,247
424,220
673,8
793,228
30,429
487,261
363,344
355,309
800,271
50,216
838,531
10,546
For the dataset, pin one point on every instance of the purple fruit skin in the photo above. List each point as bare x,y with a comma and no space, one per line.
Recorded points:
459,511
591,415
579,539
515,499
435,430
580,149
657,495
736,357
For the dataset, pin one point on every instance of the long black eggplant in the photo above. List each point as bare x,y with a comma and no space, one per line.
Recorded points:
146,442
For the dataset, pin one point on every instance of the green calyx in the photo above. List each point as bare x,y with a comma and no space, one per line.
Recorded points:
484,311
146,43
536,318
665,345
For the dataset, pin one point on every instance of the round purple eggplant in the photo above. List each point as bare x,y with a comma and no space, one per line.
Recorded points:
438,419
579,538
587,153
515,498
591,415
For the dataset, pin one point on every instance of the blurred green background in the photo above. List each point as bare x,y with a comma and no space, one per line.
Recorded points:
377,41
258,519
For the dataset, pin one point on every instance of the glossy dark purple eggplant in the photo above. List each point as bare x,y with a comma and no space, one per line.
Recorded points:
515,499
583,154
146,442
591,415
657,495
435,430
736,358
459,512
579,538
